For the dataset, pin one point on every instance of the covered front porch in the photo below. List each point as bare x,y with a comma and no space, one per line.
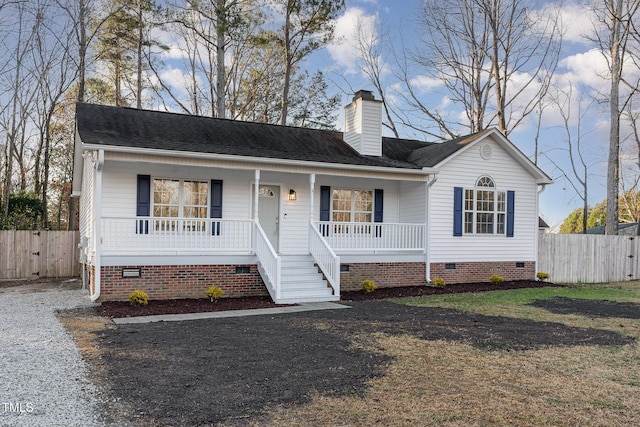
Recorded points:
287,276
296,228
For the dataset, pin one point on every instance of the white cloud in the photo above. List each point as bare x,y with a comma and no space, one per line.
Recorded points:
425,83
174,43
177,80
344,50
575,19
584,69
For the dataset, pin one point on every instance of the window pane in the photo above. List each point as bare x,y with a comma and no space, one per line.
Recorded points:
362,217
195,199
500,224
341,204
468,222
468,200
341,216
501,202
484,223
485,181
364,201
485,201
165,191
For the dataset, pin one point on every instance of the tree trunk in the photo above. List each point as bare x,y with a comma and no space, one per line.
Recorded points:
613,171
139,70
221,77
82,49
287,67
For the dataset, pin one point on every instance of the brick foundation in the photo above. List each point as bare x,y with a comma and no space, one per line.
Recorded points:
192,281
394,274
180,281
384,274
467,272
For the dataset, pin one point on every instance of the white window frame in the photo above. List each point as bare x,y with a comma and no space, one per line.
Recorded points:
353,212
474,216
170,223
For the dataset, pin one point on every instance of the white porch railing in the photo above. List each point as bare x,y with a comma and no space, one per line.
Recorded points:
156,235
372,236
270,262
325,257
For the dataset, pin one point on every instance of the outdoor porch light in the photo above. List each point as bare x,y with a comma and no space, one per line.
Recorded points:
293,195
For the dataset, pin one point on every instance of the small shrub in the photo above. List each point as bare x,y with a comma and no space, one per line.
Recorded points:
495,279
214,292
368,286
138,297
541,275
438,282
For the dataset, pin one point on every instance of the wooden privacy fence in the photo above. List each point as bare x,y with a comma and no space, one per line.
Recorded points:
588,258
39,254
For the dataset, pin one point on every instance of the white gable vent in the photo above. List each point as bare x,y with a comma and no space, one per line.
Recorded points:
485,151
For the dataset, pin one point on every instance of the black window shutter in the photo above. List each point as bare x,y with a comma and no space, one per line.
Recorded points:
325,203
457,211
510,212
143,202
378,209
378,205
216,205
325,208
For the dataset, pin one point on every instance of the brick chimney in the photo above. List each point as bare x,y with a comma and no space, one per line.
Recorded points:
363,124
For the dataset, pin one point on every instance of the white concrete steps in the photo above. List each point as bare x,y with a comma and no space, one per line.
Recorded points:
301,281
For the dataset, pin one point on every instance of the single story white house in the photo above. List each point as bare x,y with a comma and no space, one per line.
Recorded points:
173,204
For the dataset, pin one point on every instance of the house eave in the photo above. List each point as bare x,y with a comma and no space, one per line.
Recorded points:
418,172
541,177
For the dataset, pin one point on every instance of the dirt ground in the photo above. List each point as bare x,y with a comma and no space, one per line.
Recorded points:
234,371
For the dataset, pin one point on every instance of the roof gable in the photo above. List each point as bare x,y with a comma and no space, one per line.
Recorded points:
437,155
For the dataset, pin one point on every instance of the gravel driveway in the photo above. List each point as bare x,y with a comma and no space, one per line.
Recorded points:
43,379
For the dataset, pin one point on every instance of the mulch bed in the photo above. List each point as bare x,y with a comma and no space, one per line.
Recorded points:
234,370
179,306
115,309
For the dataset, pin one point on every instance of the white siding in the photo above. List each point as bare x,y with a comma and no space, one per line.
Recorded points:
391,201
294,214
371,128
119,182
352,126
411,202
363,127
463,171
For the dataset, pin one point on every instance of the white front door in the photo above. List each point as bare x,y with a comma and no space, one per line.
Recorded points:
269,212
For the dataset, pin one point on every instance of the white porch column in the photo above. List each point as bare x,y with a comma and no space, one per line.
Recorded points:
255,194
312,185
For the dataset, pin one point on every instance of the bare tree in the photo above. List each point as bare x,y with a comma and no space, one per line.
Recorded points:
370,44
613,29
212,26
20,91
308,26
576,130
476,48
54,73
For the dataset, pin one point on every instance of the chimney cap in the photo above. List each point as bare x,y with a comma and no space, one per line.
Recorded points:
365,95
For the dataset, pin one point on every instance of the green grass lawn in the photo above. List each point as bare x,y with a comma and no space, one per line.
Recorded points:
514,303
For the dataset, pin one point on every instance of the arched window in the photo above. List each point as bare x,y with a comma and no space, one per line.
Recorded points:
484,208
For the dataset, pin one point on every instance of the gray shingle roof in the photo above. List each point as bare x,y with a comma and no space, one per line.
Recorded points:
128,127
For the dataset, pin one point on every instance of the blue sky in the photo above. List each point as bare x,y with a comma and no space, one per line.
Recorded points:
581,66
